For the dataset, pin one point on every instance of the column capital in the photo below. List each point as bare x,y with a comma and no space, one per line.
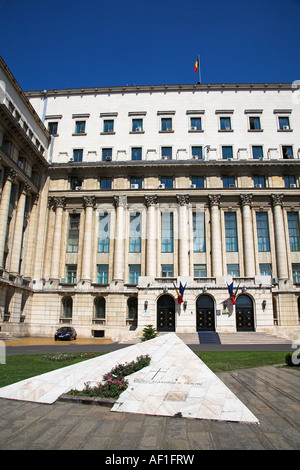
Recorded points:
120,201
277,199
246,199
89,201
183,199
151,200
214,199
56,201
10,174
24,188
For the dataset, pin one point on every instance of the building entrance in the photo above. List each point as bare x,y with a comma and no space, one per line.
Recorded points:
244,313
205,315
166,313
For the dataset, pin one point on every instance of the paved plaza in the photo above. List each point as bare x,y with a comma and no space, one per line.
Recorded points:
270,394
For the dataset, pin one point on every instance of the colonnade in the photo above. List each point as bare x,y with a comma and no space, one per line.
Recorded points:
89,203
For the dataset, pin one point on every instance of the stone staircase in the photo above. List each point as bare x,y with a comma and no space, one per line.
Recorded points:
211,337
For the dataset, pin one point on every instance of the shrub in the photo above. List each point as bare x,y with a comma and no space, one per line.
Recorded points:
149,333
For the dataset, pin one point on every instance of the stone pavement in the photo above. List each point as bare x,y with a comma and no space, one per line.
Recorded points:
271,393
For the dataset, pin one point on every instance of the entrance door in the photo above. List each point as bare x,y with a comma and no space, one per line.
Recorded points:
166,313
205,315
244,313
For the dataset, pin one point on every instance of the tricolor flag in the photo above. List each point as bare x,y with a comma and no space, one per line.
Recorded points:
196,66
180,292
231,292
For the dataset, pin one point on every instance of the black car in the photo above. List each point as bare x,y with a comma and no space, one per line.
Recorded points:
65,332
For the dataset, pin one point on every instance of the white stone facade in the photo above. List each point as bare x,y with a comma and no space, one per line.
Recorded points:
146,187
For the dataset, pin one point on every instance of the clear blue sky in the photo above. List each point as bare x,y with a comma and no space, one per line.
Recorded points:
72,43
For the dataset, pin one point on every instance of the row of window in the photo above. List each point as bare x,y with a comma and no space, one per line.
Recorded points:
196,182
167,271
196,153
167,232
166,125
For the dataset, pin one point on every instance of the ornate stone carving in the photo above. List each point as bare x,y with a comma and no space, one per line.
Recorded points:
24,188
89,201
183,199
10,174
214,199
277,199
120,201
151,200
246,199
56,201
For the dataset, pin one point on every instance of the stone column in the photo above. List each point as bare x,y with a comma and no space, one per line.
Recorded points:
18,230
249,261
4,210
89,203
150,202
32,236
183,200
215,234
281,253
120,204
58,204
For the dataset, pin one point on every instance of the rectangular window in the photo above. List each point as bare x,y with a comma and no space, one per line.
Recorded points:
77,155
105,183
166,153
167,270
294,231
134,273
228,181
73,235
289,181
254,123
71,275
199,231
198,181
225,123
227,152
287,151
265,269
167,181
106,155
52,128
102,273
137,125
135,233
200,270
257,152
104,232
166,124
80,127
167,232
75,183
137,182
284,123
197,153
233,270
262,231
195,124
231,231
108,125
296,272
259,181
136,153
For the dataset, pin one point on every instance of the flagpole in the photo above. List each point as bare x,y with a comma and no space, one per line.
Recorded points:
199,69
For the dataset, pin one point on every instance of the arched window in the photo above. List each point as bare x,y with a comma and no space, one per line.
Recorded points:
67,307
99,308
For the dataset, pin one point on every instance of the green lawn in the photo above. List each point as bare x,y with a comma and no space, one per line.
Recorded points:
21,367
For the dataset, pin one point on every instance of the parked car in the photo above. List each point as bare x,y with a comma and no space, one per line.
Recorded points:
65,332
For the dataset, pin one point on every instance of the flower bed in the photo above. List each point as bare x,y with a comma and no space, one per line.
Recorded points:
70,356
114,382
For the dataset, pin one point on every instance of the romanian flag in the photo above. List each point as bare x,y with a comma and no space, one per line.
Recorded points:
196,66
180,292
232,293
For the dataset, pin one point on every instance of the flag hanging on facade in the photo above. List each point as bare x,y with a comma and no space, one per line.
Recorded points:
232,293
179,294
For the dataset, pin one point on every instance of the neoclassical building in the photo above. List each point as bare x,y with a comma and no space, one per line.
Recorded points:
112,197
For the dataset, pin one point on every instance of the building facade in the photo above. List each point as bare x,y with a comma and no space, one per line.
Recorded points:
134,190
